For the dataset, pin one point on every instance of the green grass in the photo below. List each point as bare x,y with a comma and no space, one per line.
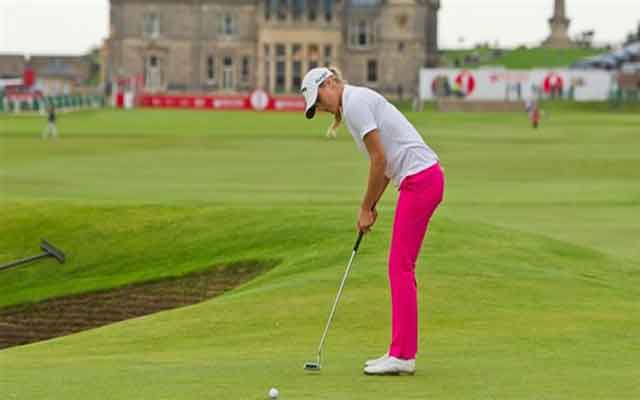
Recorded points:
522,58
529,279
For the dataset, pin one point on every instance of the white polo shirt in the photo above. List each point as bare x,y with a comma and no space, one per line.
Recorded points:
364,110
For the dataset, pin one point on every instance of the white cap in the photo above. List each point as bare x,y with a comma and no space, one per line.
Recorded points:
309,88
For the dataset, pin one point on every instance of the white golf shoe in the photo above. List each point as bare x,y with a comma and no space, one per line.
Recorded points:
392,366
376,360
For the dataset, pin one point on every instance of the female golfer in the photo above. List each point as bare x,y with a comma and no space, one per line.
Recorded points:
396,152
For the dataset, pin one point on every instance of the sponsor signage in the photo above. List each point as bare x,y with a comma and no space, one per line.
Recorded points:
258,101
501,84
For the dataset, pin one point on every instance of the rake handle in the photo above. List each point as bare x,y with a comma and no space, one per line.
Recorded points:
24,261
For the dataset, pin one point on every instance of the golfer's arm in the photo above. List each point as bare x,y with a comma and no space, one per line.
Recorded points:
377,164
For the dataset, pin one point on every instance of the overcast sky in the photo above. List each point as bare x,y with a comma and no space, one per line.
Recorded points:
73,26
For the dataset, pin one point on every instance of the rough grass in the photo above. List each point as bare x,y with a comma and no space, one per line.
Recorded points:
522,58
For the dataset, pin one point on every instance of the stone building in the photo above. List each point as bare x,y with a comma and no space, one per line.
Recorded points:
75,70
12,65
54,74
240,45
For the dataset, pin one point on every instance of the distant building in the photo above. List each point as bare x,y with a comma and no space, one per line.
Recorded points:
11,66
54,74
235,46
60,74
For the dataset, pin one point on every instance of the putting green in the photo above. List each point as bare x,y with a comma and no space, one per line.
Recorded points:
528,279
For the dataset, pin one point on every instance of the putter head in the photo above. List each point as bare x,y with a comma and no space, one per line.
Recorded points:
312,366
52,251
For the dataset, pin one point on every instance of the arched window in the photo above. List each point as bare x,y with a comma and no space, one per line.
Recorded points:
227,81
153,73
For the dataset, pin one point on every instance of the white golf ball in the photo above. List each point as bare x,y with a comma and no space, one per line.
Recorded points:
273,393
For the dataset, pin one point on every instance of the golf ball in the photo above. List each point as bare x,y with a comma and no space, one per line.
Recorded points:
273,393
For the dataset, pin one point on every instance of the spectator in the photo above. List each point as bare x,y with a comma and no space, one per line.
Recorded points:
50,129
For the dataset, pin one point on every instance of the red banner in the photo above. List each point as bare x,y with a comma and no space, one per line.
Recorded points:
258,101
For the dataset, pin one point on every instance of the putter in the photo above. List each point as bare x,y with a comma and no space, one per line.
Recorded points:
315,366
49,251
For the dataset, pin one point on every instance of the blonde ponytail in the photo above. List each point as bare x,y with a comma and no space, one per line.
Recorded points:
337,75
332,132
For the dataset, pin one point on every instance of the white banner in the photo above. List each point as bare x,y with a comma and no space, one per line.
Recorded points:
505,85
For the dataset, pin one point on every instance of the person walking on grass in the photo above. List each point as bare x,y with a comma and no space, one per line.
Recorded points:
51,128
533,109
397,153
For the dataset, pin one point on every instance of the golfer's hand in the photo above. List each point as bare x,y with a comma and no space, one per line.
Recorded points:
366,220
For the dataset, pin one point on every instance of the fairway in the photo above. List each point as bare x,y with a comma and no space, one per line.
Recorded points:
529,281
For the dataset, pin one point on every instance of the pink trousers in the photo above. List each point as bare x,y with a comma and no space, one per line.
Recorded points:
420,195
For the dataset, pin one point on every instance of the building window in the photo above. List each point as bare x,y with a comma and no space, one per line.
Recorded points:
296,70
361,33
296,51
313,52
211,71
153,73
312,9
267,75
372,71
227,82
245,72
227,25
152,25
270,8
280,79
267,67
298,9
280,76
328,10
328,52
282,9
400,47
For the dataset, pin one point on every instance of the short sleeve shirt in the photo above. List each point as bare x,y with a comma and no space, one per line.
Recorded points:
364,110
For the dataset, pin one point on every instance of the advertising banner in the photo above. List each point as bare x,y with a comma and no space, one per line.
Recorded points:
510,85
257,101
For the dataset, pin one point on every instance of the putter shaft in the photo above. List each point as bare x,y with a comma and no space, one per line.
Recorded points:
335,303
